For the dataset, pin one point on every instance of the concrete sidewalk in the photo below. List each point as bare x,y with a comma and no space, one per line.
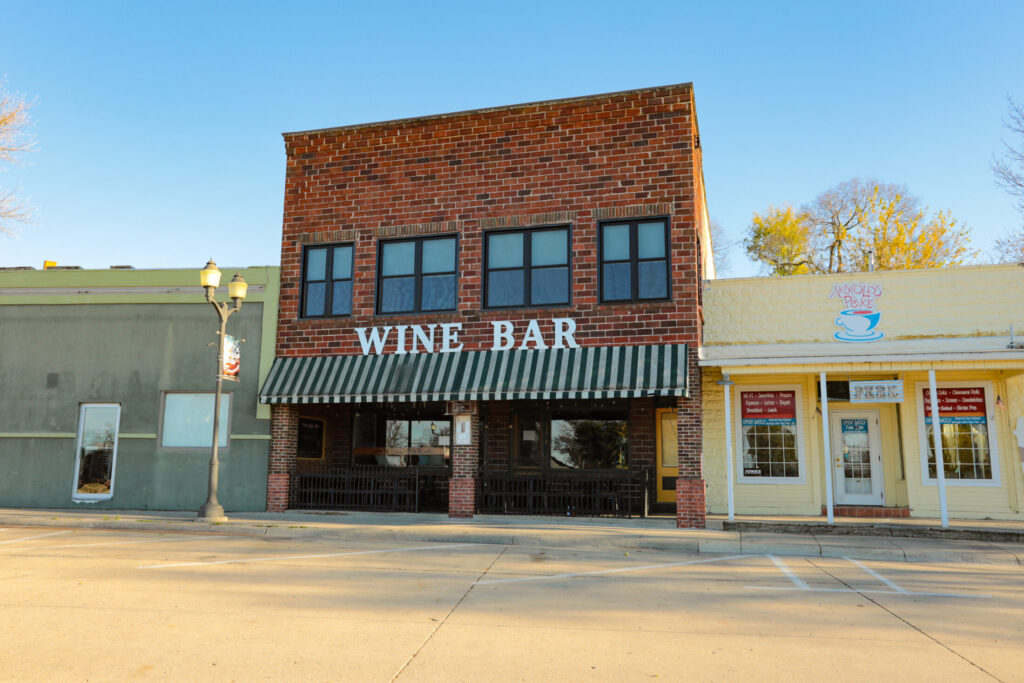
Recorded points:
776,536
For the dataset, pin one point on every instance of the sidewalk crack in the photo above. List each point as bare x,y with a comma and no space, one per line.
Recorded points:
908,623
450,612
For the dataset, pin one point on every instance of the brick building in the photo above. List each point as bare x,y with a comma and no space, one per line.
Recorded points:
494,311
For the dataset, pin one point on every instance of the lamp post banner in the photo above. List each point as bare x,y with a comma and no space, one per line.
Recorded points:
231,358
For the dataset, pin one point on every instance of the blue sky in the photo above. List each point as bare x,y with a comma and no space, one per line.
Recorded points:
158,123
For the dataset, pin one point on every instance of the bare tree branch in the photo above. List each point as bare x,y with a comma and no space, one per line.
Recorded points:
1009,169
15,140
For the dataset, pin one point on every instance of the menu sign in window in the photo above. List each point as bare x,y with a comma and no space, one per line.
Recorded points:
768,407
957,405
769,433
310,439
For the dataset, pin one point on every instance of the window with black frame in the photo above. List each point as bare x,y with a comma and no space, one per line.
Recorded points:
399,441
417,275
527,268
634,261
588,442
327,281
572,440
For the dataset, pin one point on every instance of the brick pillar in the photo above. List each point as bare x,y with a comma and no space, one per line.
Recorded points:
465,459
691,509
284,435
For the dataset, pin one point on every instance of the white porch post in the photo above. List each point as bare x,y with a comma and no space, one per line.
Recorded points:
827,450
940,469
729,474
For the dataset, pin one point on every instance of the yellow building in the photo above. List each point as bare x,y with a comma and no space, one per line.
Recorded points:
877,342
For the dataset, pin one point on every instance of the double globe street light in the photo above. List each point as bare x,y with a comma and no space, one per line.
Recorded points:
209,277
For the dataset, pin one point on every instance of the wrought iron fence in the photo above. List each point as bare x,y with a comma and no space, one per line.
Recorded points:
620,493
376,489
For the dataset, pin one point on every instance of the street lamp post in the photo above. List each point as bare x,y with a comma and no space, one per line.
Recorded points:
213,511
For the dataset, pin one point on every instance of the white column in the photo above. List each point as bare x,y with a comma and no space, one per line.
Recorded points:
827,450
940,469
730,474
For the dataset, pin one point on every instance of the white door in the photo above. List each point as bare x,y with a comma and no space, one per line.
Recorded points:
857,458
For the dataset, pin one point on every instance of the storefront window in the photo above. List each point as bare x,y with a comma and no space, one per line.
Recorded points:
963,420
586,444
965,453
97,448
388,441
770,451
769,434
188,420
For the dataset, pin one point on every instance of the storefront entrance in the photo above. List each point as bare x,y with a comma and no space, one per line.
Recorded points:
668,456
857,457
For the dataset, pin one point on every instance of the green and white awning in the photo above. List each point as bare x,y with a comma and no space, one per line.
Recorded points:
585,373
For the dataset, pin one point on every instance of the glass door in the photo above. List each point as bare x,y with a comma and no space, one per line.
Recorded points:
857,458
668,455
96,451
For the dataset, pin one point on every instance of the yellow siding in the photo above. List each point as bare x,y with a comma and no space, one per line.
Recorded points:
913,304
774,499
964,502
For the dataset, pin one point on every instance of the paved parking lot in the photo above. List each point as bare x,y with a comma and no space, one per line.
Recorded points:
100,605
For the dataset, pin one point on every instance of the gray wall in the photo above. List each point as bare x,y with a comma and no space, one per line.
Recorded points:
126,354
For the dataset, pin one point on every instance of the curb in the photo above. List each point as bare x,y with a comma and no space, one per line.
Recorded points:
883,530
732,541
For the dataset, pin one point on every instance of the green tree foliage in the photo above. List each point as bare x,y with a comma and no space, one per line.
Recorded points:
847,226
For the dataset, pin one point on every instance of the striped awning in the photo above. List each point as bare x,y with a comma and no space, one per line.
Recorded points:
583,373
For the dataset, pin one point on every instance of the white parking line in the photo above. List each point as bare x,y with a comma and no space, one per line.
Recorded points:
611,571
875,574
784,568
799,585
304,557
29,538
870,592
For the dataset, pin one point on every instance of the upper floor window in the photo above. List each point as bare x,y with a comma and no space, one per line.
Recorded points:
416,275
527,268
634,260
327,281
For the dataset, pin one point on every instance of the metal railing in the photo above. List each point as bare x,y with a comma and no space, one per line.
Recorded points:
621,493
375,489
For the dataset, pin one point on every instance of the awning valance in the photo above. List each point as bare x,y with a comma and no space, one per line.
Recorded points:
583,373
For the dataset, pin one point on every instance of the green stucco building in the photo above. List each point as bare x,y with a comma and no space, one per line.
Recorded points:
106,389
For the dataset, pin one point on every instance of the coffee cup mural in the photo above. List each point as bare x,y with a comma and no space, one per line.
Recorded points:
858,322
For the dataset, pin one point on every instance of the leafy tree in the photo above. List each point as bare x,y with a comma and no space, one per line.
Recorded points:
1009,172
781,239
14,140
851,224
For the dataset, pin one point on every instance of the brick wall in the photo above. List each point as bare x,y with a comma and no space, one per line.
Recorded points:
570,162
642,446
465,463
284,430
690,486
